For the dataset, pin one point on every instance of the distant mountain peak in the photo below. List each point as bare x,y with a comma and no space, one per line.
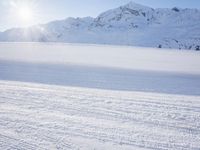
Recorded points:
125,12
130,24
135,6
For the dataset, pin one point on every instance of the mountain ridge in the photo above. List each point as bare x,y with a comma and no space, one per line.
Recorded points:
131,24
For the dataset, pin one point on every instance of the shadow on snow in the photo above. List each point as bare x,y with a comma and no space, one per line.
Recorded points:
100,77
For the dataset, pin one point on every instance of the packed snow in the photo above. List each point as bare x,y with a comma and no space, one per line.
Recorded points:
35,116
73,96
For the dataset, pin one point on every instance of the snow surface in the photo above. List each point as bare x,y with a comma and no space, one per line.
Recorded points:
131,24
68,96
35,116
123,57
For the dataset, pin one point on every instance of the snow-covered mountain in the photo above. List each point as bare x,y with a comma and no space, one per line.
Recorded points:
131,24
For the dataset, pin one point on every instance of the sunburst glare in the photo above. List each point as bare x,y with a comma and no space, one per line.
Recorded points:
24,12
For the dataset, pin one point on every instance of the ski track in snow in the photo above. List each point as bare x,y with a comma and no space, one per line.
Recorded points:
36,116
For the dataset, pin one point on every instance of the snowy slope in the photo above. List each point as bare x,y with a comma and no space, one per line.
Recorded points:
104,67
122,57
69,96
35,116
131,24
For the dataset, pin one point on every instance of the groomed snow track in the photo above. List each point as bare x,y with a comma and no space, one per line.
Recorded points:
36,116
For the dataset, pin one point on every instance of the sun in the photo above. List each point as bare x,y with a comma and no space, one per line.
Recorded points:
25,14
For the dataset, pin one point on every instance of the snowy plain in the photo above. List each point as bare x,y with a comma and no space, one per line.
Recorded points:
78,96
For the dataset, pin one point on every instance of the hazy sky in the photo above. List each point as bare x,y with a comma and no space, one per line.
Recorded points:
20,13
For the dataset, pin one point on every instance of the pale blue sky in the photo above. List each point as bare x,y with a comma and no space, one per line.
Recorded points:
47,10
